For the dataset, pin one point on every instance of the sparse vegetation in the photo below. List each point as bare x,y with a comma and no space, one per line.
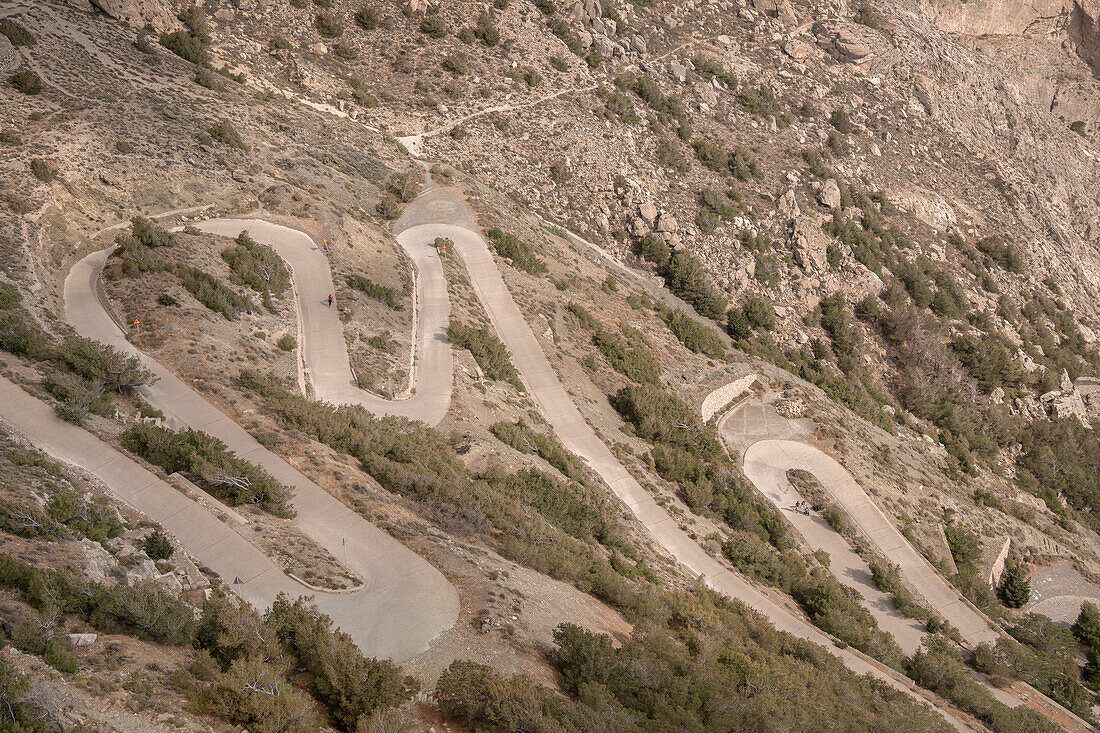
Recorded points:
26,81
215,467
516,251
226,133
488,351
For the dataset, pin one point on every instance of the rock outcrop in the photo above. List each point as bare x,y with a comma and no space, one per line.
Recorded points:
139,13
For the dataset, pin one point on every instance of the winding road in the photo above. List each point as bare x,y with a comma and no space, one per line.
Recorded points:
405,602
766,463
323,348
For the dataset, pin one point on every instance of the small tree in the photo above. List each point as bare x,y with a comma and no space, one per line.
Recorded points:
1087,626
158,546
26,81
1015,588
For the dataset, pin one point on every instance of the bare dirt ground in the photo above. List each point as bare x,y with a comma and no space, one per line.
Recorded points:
1058,591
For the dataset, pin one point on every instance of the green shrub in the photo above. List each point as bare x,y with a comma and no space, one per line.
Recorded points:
1015,587
758,100
212,464
257,266
108,366
157,546
287,342
389,296
328,26
587,320
1086,629
224,132
434,25
523,438
17,34
515,250
42,170
348,683
367,18
486,31
346,50
759,313
211,292
694,335
187,45
633,361
865,15
938,667
654,249
389,206
488,351
841,121
685,277
26,81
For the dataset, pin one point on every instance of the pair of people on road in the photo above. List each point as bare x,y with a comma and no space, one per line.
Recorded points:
801,506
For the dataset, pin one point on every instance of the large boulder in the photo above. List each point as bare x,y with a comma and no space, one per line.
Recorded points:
139,13
829,194
808,244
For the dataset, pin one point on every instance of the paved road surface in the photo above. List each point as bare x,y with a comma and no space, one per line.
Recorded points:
766,464
321,334
406,602
848,567
572,429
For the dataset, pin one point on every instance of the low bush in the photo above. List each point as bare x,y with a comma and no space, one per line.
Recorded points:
212,292
367,18
187,45
695,336
212,464
516,251
523,438
488,351
389,296
328,26
633,361
257,266
17,34
287,342
26,81
42,170
224,132
434,25
685,276
108,366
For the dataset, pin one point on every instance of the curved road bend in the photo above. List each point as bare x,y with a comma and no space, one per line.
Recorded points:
405,603
566,420
323,347
766,463
363,614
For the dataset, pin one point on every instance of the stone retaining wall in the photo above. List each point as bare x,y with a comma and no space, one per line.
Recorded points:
719,398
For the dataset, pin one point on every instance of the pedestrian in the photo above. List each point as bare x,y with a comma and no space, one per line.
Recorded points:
330,300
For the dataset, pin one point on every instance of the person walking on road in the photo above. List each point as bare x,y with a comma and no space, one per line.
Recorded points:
330,300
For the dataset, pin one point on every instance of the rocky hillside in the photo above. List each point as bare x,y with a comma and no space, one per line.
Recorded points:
885,212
